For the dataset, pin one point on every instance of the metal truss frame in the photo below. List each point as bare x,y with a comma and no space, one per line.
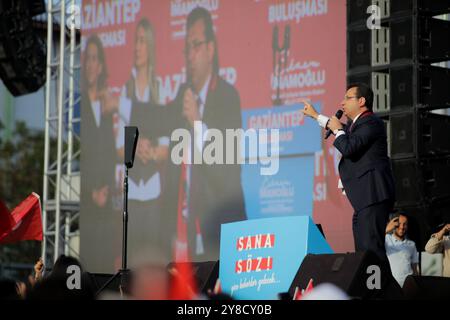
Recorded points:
61,190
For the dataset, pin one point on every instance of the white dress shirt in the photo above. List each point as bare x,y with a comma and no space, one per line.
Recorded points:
96,110
323,120
401,255
200,131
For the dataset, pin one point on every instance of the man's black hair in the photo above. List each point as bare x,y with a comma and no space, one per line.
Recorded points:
363,91
200,13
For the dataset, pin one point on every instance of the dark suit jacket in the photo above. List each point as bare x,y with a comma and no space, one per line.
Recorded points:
365,167
216,191
97,156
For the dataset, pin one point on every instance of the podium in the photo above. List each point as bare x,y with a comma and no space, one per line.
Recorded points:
259,258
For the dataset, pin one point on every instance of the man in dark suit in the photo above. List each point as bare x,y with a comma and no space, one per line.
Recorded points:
213,193
364,168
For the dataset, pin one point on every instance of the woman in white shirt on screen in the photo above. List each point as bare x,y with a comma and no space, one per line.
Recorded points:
138,105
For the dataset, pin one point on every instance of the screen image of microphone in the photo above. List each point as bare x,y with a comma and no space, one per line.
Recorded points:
338,115
274,46
287,37
286,44
189,86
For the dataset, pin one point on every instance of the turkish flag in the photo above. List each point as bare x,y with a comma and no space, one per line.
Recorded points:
23,223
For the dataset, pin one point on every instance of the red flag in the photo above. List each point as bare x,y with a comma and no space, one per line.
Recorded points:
309,287
183,286
25,219
298,294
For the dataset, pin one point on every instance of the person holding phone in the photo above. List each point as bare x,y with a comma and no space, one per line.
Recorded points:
440,243
401,252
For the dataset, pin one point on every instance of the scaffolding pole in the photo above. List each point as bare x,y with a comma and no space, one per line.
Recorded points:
61,190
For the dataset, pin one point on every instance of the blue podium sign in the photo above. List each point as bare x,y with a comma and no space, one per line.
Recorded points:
259,258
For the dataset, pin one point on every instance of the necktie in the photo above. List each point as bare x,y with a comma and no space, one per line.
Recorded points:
364,114
181,244
196,186
351,127
185,205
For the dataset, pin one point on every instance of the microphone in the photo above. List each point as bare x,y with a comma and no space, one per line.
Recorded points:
287,37
275,38
131,139
274,45
189,86
188,83
338,115
286,44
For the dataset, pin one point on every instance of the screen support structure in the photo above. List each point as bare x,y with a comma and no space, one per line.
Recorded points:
61,176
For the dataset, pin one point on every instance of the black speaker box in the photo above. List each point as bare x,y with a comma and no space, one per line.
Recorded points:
205,273
22,51
357,11
414,38
409,85
34,7
359,46
360,78
423,7
421,180
429,35
430,90
98,280
426,288
348,271
421,133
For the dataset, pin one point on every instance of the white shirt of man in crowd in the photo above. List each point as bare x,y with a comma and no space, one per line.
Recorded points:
440,243
401,252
